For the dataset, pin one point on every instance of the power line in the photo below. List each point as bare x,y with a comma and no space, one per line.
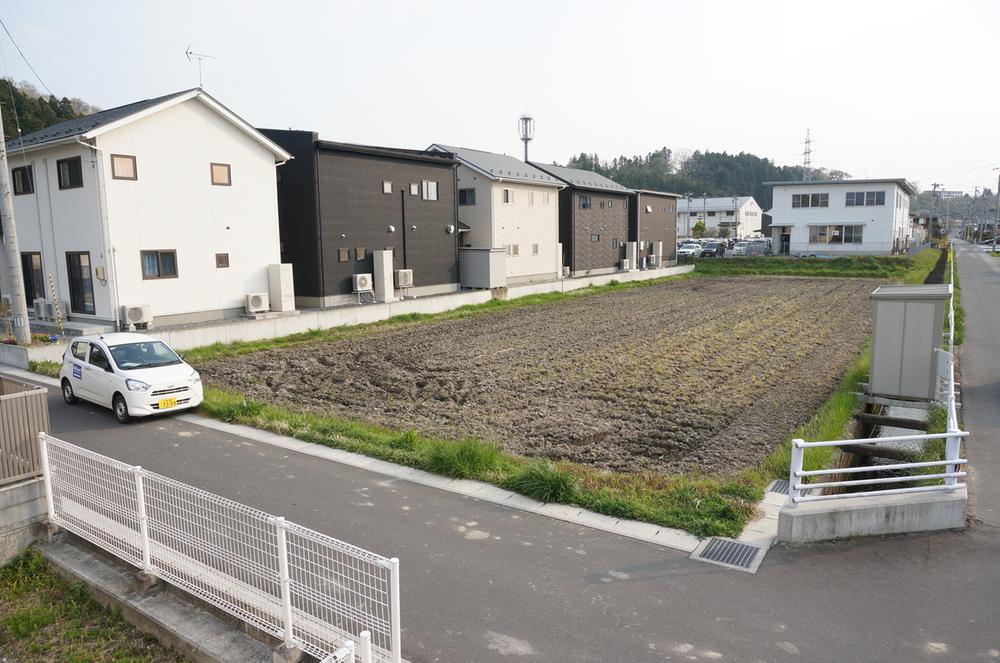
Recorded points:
24,57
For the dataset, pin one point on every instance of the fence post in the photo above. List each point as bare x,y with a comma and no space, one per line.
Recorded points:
366,646
796,467
396,656
286,589
140,501
349,646
43,456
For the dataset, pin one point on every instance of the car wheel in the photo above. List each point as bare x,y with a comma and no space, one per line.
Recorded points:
67,391
120,408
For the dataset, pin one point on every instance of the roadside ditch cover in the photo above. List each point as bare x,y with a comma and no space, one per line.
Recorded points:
729,553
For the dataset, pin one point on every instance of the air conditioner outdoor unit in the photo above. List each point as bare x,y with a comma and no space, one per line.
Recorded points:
404,278
625,264
362,283
566,271
42,309
652,259
258,302
137,315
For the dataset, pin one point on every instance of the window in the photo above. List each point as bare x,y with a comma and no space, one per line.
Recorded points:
531,199
611,204
730,213
414,189
649,209
466,196
615,243
508,197
80,350
585,203
360,253
123,167
221,260
343,254
34,277
98,358
221,174
595,238
430,190
70,173
81,285
602,204
692,213
534,249
159,264
386,186
515,250
863,198
545,198
23,180
711,213
847,234
810,200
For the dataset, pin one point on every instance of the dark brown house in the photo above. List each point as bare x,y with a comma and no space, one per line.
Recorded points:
593,220
652,217
338,202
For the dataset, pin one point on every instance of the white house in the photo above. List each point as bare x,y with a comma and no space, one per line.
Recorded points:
864,217
740,215
509,204
169,203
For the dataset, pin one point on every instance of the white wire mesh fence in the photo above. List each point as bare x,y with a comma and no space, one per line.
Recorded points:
312,591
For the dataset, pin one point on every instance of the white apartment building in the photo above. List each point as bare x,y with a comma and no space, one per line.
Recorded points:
861,217
506,203
740,215
169,203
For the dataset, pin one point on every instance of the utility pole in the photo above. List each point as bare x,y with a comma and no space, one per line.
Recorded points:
996,221
19,307
934,198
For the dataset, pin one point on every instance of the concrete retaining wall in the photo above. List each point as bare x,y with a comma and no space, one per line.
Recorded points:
256,330
22,510
13,355
868,516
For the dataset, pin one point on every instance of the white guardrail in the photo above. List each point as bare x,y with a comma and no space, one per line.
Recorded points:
315,593
800,490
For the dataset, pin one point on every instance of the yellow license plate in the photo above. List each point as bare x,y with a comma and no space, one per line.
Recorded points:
168,403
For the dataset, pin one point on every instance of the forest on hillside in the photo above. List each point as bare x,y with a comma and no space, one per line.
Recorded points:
24,106
700,173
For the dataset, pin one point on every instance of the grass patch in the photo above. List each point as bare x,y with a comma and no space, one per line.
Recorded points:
909,269
45,618
702,505
45,367
959,312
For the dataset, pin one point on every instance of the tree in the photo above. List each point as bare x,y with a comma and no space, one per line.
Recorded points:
698,229
35,111
723,233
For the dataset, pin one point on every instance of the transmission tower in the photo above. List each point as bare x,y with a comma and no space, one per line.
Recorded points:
807,157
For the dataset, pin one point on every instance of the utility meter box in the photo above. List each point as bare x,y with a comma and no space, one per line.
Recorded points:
909,325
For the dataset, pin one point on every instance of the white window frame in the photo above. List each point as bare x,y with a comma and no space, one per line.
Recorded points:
386,186
429,190
507,196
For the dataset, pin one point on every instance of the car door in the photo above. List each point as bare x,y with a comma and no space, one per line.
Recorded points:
77,363
97,375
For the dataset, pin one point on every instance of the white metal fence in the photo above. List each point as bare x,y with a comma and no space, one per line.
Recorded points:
800,490
310,590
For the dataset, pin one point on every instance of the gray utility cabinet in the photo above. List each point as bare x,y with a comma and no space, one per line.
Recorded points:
909,321
482,267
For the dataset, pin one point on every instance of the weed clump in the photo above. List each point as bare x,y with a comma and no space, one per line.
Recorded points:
544,482
468,459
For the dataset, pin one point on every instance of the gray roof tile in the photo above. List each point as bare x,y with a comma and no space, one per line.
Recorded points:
500,165
584,179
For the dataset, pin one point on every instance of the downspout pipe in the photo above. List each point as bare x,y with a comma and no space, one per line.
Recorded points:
110,264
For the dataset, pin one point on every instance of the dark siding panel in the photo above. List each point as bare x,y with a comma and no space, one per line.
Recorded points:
566,226
610,223
656,226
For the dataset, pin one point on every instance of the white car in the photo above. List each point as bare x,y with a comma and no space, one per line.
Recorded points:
689,251
133,374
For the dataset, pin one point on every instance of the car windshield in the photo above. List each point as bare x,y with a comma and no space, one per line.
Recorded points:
691,246
146,354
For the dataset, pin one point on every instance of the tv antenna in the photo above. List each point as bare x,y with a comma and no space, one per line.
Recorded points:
191,55
526,129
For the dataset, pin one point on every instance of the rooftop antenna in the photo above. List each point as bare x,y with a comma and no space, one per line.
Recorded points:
191,55
807,157
526,129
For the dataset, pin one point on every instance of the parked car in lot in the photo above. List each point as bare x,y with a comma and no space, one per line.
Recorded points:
133,374
740,248
759,247
689,251
713,249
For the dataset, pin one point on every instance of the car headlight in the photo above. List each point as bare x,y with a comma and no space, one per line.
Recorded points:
195,378
136,385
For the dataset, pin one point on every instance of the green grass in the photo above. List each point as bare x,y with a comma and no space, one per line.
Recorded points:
902,268
702,505
45,618
959,312
45,367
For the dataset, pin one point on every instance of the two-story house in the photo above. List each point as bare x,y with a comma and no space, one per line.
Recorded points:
593,220
862,217
506,203
168,203
652,226
737,216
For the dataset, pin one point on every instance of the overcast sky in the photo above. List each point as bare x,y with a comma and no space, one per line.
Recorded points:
888,89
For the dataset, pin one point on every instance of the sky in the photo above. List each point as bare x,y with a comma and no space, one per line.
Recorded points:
886,89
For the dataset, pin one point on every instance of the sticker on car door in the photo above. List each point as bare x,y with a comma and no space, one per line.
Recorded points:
78,371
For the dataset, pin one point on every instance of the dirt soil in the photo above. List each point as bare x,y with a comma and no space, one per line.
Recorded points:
697,375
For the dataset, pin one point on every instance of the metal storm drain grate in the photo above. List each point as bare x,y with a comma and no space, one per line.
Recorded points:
779,486
730,553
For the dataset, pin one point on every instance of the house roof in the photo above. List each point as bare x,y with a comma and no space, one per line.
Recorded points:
444,158
901,182
651,192
498,166
582,179
93,125
711,204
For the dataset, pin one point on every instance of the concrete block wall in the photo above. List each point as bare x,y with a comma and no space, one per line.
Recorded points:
22,511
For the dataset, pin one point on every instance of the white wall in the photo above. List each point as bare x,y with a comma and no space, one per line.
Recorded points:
881,222
173,205
531,218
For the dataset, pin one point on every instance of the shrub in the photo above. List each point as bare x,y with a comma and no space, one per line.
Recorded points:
468,459
45,367
543,481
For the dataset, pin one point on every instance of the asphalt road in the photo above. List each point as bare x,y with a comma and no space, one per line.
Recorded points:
484,583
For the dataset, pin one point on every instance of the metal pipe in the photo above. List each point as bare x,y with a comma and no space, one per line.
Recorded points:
140,503
876,440
43,456
878,481
396,653
879,468
286,594
896,491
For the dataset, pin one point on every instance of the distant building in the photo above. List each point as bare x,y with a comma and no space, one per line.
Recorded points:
740,215
864,217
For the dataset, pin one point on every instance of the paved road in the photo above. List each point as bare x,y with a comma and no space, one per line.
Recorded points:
485,583
979,277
